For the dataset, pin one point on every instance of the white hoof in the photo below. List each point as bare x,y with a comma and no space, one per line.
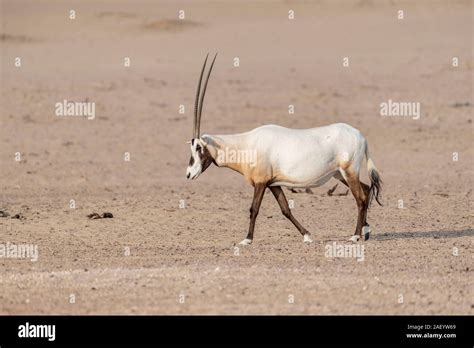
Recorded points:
307,239
366,232
246,241
354,239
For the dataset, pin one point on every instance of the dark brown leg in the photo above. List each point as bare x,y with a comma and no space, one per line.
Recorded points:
361,198
365,188
285,209
258,193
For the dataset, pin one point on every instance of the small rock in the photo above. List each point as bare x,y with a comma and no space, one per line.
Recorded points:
93,216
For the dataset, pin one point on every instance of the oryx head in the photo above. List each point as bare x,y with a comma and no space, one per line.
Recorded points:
200,159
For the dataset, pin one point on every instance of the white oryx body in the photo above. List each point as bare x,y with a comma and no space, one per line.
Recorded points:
272,156
295,158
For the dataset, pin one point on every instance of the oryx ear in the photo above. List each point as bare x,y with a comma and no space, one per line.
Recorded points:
188,142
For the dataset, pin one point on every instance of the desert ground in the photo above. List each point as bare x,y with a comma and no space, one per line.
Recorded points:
172,244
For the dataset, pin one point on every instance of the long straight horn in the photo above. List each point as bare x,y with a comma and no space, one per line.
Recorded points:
196,103
201,102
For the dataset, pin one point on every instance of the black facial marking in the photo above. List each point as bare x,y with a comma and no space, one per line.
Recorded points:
206,159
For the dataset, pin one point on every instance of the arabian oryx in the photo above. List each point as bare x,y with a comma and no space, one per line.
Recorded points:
295,158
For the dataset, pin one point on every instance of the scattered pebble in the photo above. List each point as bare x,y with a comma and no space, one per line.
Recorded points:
460,105
105,215
93,216
18,216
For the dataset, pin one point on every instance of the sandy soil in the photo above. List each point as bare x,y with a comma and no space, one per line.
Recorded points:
184,260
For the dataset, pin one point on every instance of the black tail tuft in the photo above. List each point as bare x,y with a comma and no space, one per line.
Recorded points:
375,186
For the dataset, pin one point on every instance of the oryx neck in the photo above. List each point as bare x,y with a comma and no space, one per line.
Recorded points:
221,145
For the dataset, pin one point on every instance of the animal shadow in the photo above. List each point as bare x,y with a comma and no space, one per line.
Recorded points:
426,234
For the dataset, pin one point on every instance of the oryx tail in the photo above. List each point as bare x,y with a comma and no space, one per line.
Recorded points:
374,176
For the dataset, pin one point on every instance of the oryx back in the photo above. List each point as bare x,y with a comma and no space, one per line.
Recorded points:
306,157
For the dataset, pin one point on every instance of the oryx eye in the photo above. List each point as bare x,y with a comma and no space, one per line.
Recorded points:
198,148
